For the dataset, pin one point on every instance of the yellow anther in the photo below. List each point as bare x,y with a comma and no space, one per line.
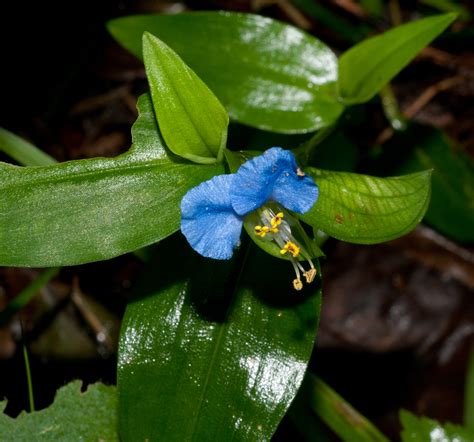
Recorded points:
261,230
276,220
299,172
292,248
310,274
297,284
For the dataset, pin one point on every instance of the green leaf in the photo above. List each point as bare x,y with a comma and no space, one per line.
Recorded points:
216,352
22,151
89,210
88,416
452,205
191,119
336,412
416,429
267,74
368,66
365,210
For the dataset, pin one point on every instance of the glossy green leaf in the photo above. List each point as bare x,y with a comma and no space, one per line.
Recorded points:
452,205
22,151
336,412
267,74
74,416
89,210
417,429
191,119
368,66
216,352
365,210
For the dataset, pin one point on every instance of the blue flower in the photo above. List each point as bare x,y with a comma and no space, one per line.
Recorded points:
212,213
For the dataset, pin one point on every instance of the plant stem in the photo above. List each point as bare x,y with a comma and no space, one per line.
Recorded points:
22,151
28,379
391,109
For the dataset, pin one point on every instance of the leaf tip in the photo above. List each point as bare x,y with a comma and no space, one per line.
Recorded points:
148,38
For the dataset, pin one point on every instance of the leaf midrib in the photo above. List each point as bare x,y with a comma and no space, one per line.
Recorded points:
222,332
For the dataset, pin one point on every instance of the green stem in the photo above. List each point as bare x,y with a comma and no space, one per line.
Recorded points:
391,108
22,151
28,378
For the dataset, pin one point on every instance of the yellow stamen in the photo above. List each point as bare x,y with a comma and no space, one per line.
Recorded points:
276,220
297,284
261,230
310,275
292,248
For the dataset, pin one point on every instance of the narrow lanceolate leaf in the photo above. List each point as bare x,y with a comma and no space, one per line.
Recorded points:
22,151
73,416
416,429
192,121
365,210
365,68
214,353
267,74
337,413
88,210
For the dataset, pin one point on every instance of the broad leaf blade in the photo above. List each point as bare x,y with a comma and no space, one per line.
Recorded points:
365,210
89,210
417,429
267,74
214,353
365,68
73,416
192,121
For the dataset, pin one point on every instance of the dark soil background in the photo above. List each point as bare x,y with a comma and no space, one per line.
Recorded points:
398,318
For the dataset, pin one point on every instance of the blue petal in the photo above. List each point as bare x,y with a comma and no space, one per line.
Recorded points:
272,176
295,193
208,221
